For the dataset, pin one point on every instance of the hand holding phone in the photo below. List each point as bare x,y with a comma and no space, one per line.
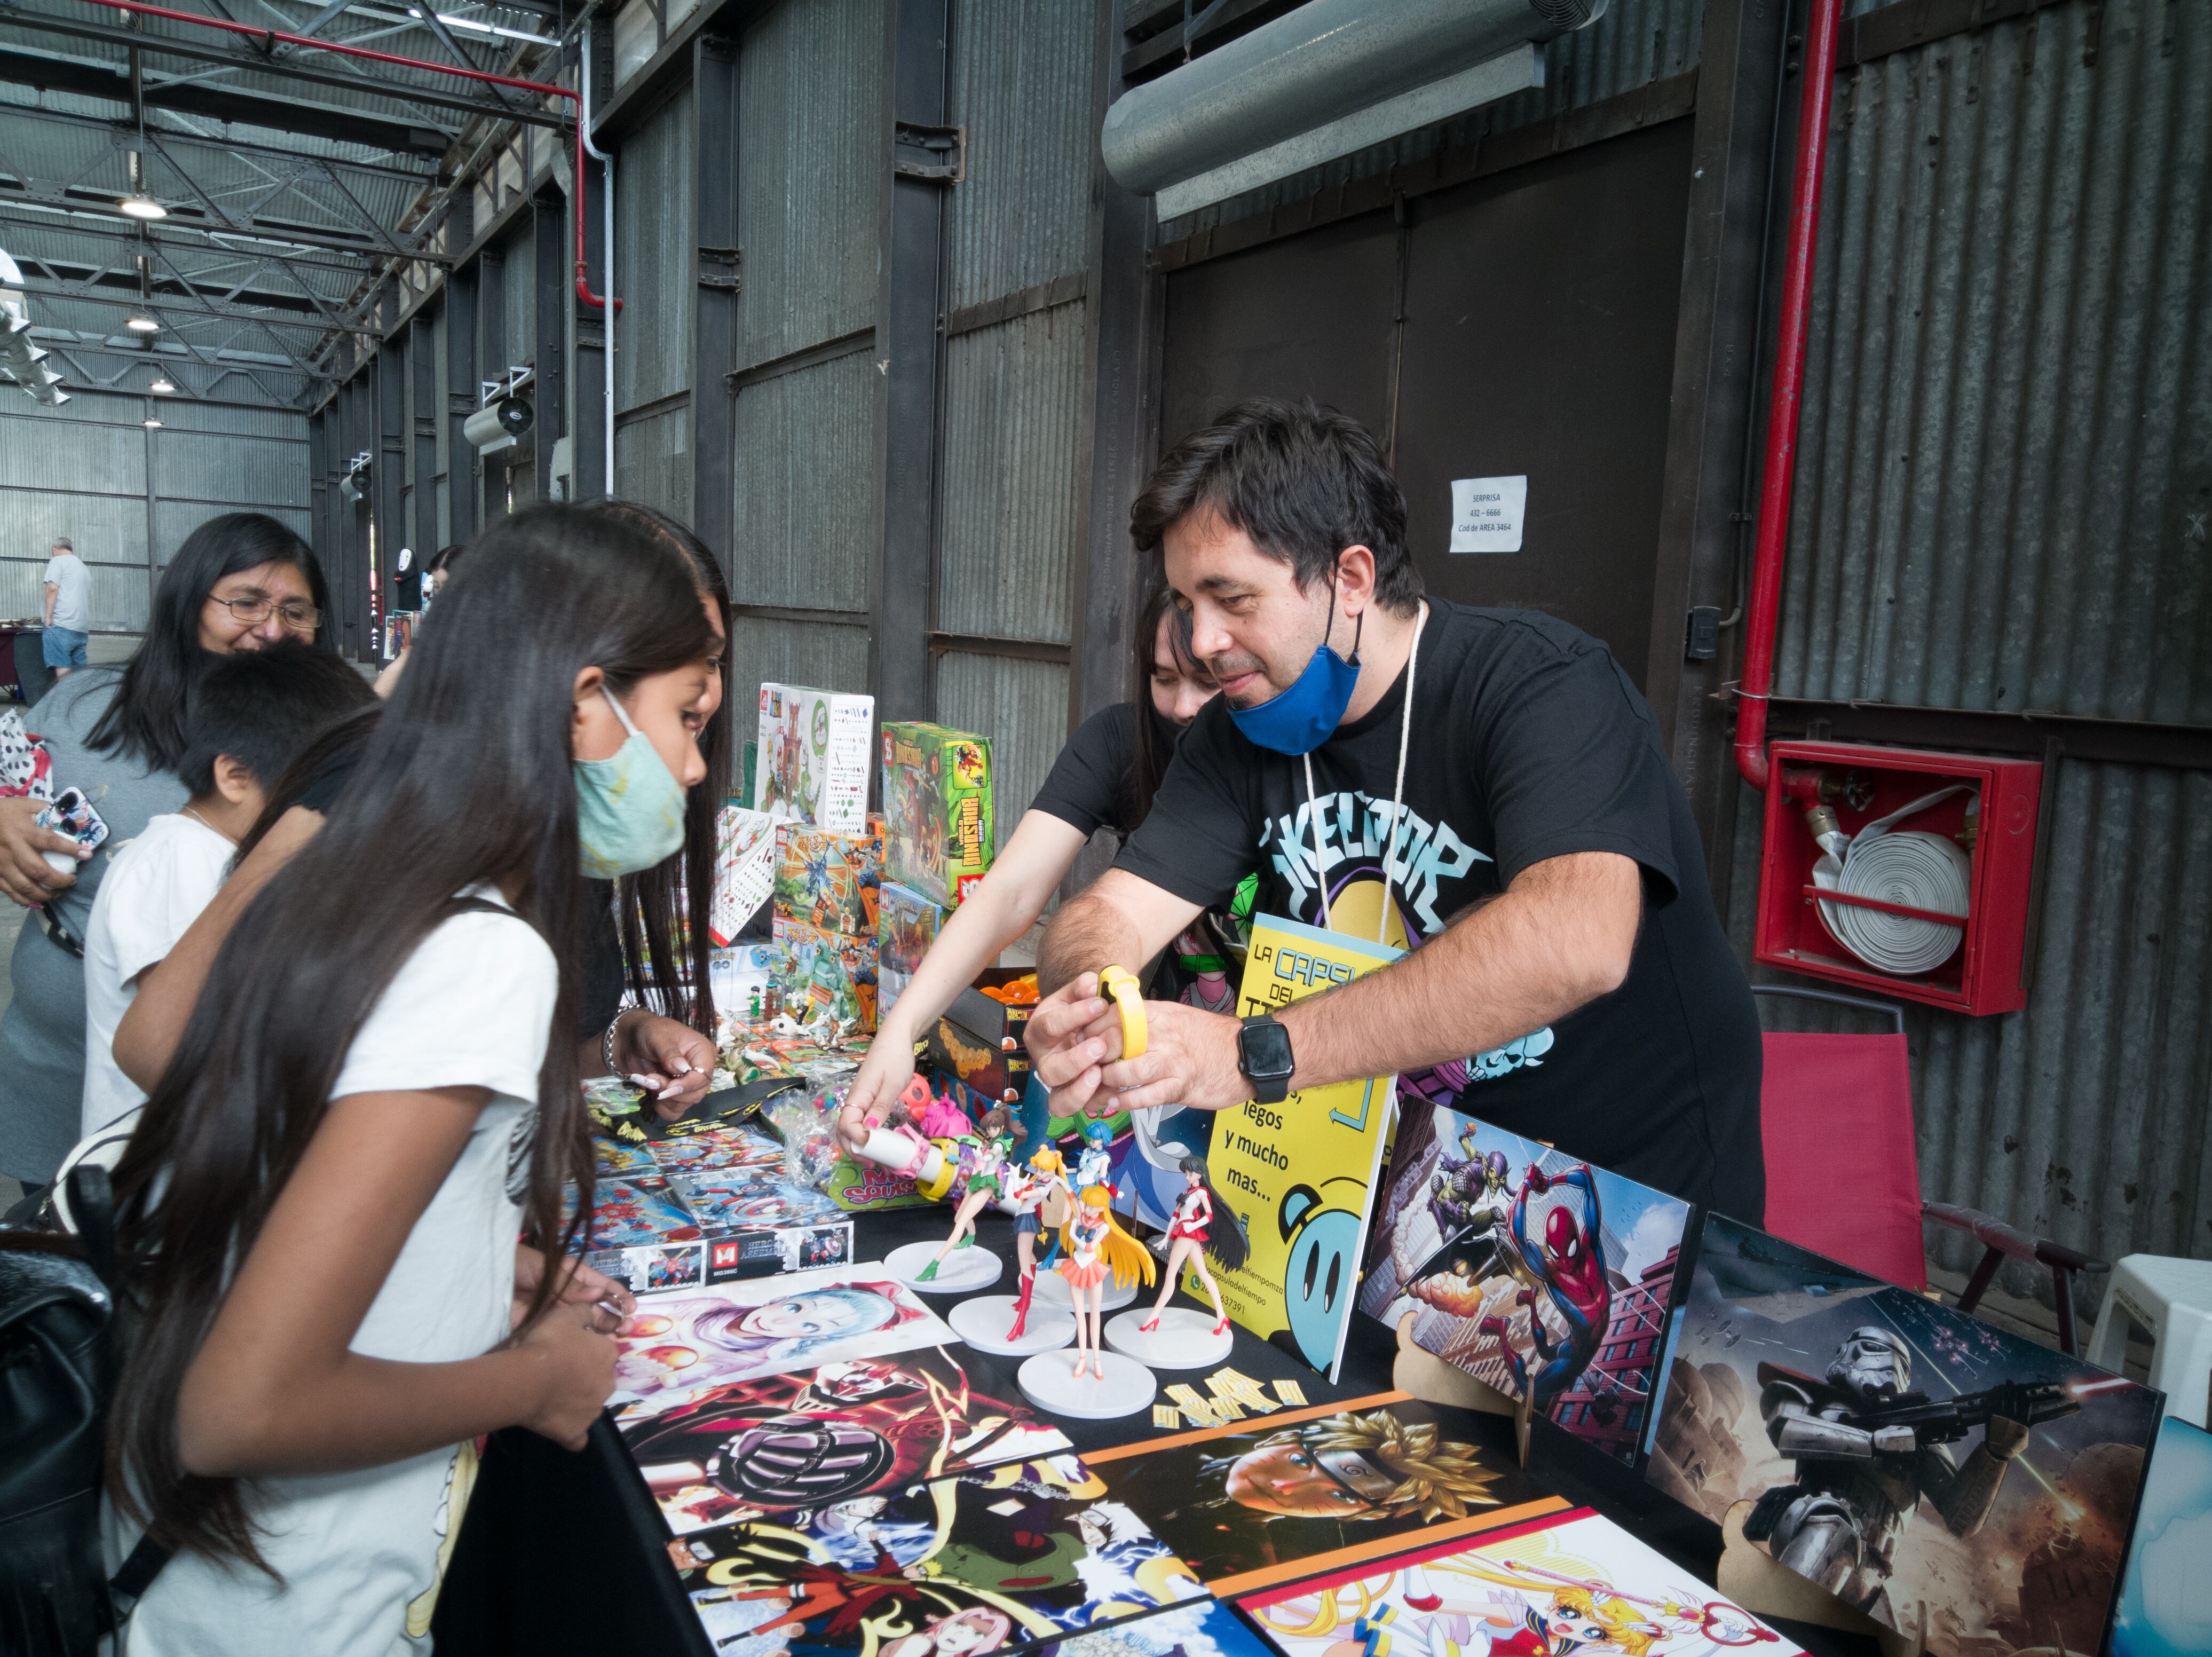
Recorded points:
71,814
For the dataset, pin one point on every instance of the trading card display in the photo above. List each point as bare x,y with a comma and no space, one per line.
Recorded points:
1529,1269
743,1331
1013,1555
1301,1490
795,1443
1569,1582
2166,1605
1198,1627
1933,1471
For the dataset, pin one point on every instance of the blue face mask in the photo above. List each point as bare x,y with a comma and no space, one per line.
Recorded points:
629,809
1300,719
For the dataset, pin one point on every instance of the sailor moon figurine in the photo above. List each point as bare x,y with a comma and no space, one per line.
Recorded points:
982,1164
1095,1245
1093,1166
1040,1197
1190,1239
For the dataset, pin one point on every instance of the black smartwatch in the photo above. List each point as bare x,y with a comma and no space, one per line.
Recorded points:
1263,1053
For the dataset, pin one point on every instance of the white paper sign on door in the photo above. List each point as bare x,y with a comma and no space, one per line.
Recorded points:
1487,512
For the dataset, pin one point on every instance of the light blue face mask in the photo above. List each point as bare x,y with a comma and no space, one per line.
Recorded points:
1300,719
630,808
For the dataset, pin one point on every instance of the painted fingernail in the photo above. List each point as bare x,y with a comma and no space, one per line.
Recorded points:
671,1090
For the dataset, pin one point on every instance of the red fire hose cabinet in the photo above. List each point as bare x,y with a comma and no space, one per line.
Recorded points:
1904,871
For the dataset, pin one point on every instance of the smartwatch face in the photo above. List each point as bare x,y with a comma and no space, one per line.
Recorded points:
1266,1049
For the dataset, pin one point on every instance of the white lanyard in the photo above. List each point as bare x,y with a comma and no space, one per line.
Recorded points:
1397,795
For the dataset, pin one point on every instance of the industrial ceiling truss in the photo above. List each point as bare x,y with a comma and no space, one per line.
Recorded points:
210,193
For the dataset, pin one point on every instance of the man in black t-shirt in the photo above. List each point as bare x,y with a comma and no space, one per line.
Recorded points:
1568,978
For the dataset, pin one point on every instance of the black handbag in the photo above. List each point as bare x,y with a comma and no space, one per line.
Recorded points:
58,1367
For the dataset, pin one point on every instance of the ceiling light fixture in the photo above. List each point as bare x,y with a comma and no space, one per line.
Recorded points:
451,20
138,204
153,422
162,386
142,322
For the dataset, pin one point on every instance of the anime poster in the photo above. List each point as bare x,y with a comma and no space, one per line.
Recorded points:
1529,1270
1567,1582
2165,1599
1011,1555
743,1331
1958,1483
790,1444
1297,1491
1300,1174
1198,1627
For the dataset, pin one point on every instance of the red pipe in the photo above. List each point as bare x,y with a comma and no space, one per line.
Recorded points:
1818,76
269,37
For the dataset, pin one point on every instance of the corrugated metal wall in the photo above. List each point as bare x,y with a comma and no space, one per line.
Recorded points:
2002,497
1010,482
1633,43
810,150
82,470
2007,440
655,271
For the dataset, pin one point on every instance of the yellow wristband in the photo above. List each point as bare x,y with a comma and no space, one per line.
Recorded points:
1122,987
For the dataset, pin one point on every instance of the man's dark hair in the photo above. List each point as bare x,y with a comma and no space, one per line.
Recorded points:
262,706
1302,481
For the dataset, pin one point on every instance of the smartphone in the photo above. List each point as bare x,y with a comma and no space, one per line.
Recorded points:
71,814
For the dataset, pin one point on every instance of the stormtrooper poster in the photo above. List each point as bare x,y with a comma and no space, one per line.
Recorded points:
1529,1269
1962,1484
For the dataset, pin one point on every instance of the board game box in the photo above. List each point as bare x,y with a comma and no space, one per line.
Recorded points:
938,833
829,881
831,974
907,924
812,766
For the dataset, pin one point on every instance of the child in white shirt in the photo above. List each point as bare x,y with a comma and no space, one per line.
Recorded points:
250,716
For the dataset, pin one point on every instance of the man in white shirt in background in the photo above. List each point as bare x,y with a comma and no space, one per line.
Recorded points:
69,609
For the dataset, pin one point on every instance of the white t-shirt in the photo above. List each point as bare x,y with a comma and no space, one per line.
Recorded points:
72,581
362,1554
157,883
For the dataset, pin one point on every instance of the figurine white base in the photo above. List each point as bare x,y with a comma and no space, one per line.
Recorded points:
1048,1382
983,1323
1184,1341
963,1270
1052,1290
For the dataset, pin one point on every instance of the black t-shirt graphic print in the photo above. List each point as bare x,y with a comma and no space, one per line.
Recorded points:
1528,743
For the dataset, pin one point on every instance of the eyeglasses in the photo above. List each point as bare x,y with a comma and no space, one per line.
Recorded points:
296,614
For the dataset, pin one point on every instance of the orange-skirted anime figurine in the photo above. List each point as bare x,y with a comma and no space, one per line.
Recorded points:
1096,1245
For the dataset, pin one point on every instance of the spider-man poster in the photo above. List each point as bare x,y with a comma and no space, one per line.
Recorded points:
793,1443
1532,1271
1017,1554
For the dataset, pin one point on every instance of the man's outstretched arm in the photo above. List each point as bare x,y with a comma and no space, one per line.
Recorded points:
1557,938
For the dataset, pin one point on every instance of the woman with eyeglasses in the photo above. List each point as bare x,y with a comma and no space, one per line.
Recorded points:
240,582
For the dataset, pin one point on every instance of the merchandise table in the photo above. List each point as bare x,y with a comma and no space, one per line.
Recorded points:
563,1552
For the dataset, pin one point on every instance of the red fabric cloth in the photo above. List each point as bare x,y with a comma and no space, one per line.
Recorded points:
1843,1177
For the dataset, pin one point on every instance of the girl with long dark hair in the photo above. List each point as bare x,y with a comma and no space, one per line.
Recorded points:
238,582
376,1093
1105,778
665,1042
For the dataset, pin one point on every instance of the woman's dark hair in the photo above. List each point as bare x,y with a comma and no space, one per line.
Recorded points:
145,720
466,778
1155,743
683,884
1224,1234
1302,481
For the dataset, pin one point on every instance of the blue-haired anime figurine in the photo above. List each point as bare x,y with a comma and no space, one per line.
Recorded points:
1094,1166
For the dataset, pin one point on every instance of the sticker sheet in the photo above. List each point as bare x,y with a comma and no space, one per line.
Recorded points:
1017,1554
790,1444
1282,1495
1933,1470
764,1326
1529,1269
1566,1582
